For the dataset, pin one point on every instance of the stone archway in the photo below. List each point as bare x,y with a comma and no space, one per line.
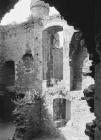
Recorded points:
52,55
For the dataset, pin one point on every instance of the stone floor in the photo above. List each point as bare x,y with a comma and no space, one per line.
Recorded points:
74,130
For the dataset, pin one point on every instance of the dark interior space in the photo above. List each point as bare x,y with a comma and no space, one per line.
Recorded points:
8,75
6,104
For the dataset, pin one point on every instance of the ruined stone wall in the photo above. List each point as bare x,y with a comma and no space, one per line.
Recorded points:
29,47
77,66
97,103
18,41
61,72
79,63
81,66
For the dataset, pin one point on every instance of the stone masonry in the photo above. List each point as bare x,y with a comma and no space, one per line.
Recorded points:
32,52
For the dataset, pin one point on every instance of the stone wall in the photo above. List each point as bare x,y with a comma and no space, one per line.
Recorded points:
21,45
19,40
1,56
79,64
58,63
97,101
30,46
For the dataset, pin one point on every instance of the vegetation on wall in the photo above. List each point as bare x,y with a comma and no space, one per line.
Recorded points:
32,118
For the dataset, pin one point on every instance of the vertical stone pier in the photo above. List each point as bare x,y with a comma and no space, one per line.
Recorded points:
97,101
67,73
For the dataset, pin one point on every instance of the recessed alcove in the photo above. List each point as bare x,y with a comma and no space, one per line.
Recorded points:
8,76
52,55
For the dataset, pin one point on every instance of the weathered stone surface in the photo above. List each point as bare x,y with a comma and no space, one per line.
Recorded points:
36,38
78,54
18,40
97,101
39,8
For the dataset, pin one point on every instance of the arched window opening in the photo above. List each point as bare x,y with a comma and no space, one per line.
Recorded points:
53,55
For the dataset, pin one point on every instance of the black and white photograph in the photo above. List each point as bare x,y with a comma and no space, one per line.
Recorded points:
50,70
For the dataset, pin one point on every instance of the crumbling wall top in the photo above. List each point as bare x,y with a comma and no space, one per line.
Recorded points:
57,20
